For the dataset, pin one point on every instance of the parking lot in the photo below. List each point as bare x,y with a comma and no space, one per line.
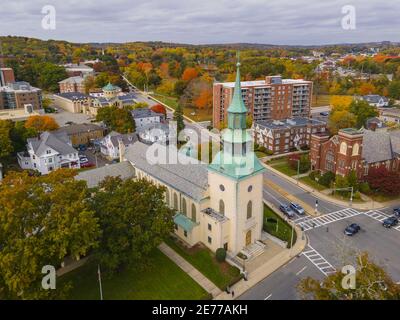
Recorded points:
338,249
91,155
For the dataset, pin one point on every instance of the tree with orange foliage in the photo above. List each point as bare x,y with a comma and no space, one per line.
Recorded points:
189,74
367,88
159,108
41,123
204,100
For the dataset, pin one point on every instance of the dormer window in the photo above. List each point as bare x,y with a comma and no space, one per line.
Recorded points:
48,151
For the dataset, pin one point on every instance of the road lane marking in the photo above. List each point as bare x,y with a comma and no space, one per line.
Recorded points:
301,270
325,267
275,198
268,297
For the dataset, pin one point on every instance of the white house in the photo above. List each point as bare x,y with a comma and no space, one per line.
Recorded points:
145,116
49,152
109,146
154,132
376,100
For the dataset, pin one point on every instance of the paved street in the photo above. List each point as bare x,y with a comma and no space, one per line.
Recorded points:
273,196
330,249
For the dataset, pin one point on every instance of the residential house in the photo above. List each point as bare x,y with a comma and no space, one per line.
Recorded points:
146,116
49,151
154,132
110,145
82,134
376,100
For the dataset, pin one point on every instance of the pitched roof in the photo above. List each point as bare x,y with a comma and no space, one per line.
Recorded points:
376,146
93,177
189,179
73,96
57,142
144,113
77,80
79,128
127,139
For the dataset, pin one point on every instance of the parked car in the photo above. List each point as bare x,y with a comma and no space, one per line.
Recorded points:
396,212
287,211
324,113
352,229
297,208
87,164
83,160
82,147
390,222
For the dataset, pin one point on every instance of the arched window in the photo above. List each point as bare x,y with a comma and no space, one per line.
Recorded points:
249,209
175,201
184,207
167,197
221,207
193,212
343,148
356,149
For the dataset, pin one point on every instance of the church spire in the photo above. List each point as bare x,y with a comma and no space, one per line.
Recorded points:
237,110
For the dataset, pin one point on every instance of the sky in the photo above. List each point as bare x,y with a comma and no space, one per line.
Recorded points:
285,22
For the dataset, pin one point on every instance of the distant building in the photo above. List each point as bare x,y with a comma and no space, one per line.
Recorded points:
20,95
111,96
390,115
357,150
110,145
271,99
72,84
154,132
48,152
82,70
282,136
82,133
74,102
146,116
376,100
6,76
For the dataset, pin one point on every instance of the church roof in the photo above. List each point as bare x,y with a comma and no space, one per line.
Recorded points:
110,87
237,105
189,179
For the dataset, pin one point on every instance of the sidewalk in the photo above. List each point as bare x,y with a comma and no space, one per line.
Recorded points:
267,268
195,274
359,206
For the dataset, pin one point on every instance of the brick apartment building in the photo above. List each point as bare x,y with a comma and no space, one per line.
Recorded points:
19,95
6,76
282,136
271,99
356,150
72,84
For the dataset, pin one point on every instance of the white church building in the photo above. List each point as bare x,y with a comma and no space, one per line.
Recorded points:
218,204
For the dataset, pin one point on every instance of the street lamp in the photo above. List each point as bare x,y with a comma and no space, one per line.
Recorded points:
346,189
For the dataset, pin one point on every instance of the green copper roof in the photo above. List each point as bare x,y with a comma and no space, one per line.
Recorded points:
237,105
184,222
109,87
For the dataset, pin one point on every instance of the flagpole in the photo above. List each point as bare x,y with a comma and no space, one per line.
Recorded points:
101,289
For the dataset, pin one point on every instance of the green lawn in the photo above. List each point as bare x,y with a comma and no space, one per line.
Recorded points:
314,184
199,114
284,167
320,101
278,227
260,154
221,274
162,280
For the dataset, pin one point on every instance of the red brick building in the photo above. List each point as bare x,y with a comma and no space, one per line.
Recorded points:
271,99
356,150
281,136
72,84
6,76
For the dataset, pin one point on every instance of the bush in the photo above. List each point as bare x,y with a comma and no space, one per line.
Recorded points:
357,196
364,188
314,175
220,254
326,179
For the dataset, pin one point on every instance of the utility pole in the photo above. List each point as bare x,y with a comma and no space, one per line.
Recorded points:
99,274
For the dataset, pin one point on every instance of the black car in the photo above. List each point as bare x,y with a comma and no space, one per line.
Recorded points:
324,113
352,229
396,212
390,222
287,210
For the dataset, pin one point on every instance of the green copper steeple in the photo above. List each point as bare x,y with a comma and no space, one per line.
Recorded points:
237,159
237,110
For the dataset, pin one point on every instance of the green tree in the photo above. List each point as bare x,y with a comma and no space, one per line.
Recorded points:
134,219
49,75
6,146
363,111
372,283
178,117
117,119
42,220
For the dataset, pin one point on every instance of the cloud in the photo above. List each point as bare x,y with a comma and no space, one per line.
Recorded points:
205,21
